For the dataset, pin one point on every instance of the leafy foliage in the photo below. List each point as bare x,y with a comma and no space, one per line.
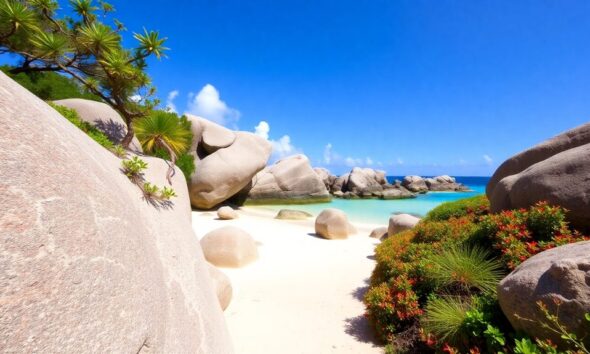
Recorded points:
477,206
86,127
85,48
49,86
134,167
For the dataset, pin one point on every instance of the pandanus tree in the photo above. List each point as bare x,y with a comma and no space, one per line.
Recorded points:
85,48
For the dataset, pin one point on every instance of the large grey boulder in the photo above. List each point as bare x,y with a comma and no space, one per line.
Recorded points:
86,264
209,135
415,184
289,180
340,184
225,172
103,117
333,224
325,176
363,180
444,183
396,192
401,222
229,246
555,171
560,274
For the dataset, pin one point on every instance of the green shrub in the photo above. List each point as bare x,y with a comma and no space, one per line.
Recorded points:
465,269
86,127
185,161
478,205
50,86
444,318
134,167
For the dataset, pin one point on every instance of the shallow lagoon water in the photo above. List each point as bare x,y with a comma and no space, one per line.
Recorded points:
376,211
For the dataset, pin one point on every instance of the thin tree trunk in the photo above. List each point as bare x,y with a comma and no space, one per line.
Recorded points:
170,172
129,136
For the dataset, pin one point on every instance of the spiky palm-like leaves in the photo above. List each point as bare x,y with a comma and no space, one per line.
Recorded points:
463,270
151,43
50,45
14,16
444,317
98,37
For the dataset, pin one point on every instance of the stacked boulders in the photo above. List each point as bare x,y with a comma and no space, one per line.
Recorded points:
442,183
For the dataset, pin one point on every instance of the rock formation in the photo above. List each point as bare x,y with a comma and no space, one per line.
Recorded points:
87,264
227,213
103,117
401,222
290,180
229,247
556,171
226,162
560,274
333,224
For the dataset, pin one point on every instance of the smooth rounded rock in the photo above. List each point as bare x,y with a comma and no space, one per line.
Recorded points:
229,247
223,288
415,184
227,213
401,222
333,224
288,214
380,232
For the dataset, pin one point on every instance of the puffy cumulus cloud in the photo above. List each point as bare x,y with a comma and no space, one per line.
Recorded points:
208,104
281,147
262,130
170,106
488,159
135,98
328,154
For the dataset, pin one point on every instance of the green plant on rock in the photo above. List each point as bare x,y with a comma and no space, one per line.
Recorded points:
465,270
166,131
150,191
167,193
134,167
119,151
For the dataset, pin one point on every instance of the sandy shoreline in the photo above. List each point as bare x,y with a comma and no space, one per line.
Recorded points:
303,294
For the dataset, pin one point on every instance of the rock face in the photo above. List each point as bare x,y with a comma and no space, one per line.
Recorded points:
325,176
223,287
559,274
415,184
290,180
227,213
103,117
286,214
333,224
556,171
363,180
83,254
365,183
380,232
226,162
229,247
401,222
444,183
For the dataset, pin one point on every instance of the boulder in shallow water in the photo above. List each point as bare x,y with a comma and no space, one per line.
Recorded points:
288,214
333,224
559,274
229,247
401,222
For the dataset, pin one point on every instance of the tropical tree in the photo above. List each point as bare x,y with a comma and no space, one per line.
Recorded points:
164,130
85,48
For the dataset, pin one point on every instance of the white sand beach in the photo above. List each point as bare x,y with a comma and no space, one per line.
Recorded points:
303,294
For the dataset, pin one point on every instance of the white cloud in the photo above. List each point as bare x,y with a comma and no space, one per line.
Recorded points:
208,104
400,161
488,159
262,130
328,154
135,98
281,147
170,106
369,161
353,162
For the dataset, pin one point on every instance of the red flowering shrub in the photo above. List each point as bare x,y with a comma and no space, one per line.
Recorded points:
519,234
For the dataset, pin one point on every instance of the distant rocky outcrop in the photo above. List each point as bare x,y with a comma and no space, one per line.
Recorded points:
103,117
226,162
556,171
87,264
559,274
289,180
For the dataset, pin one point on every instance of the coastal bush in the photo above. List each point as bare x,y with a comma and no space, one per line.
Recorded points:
86,127
478,205
445,271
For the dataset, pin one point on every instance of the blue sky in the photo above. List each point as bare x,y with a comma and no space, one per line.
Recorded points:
412,87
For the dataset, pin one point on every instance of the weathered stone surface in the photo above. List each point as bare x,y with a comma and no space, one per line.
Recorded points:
222,284
227,213
568,140
561,179
333,224
444,183
289,180
396,192
229,247
287,214
210,135
380,232
415,184
559,274
401,222
225,172
85,263
325,176
363,180
339,183
103,117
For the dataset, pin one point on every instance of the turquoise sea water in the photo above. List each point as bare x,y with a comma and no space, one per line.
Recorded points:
376,211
